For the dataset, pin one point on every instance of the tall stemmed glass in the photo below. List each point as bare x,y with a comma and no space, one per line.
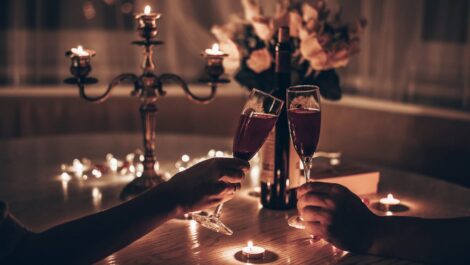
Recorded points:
258,117
304,116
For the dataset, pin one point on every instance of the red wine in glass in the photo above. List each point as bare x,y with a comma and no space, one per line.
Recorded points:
259,115
303,104
253,128
305,129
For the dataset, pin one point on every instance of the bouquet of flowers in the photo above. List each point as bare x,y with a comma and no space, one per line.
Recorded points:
320,42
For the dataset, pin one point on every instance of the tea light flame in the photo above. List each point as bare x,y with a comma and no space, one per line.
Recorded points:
250,245
147,10
390,200
215,50
79,51
253,252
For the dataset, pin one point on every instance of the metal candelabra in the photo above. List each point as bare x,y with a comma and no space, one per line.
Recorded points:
148,86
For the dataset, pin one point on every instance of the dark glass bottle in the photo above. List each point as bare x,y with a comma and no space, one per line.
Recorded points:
275,184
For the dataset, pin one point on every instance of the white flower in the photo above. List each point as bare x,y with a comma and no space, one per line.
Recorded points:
260,60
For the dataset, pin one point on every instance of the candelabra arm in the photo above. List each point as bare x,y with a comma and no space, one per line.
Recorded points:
177,79
116,81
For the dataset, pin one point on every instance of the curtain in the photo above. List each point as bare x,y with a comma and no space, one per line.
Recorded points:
411,51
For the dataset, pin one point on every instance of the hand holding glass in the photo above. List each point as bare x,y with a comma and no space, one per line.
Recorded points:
304,116
257,119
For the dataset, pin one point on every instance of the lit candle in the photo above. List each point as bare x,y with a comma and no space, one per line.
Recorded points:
214,51
79,51
147,23
390,200
253,252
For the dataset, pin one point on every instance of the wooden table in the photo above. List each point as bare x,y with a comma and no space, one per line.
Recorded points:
29,181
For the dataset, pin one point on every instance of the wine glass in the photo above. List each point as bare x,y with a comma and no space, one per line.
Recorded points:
258,117
304,116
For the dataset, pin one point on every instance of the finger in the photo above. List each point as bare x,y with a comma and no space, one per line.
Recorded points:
233,163
233,176
217,188
316,214
316,229
315,199
316,186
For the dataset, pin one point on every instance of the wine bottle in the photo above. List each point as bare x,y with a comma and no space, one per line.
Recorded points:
276,188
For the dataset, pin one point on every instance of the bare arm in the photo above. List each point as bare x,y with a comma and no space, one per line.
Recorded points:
92,238
336,214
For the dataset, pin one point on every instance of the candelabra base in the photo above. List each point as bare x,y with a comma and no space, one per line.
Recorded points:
139,185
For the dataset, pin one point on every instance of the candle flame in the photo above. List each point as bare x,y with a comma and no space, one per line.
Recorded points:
390,196
250,244
80,51
147,10
215,47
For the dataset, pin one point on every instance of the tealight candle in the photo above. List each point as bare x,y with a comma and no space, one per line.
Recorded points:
390,200
214,61
147,23
214,51
253,252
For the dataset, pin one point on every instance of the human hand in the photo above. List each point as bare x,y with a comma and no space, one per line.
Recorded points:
334,213
207,183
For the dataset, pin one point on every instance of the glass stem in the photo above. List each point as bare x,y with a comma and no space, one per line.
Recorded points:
307,161
218,210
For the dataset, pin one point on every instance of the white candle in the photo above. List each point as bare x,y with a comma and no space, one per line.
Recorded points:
253,252
215,50
390,200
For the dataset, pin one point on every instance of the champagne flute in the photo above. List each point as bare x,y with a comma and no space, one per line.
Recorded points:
258,117
304,116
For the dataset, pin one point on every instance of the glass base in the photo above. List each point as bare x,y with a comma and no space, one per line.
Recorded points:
296,222
211,222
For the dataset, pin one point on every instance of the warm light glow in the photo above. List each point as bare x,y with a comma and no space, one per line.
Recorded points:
250,245
185,158
390,200
215,50
147,10
79,51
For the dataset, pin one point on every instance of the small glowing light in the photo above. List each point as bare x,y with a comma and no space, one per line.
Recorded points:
185,158
84,177
96,173
140,170
97,196
219,154
253,252
113,164
130,157
147,10
77,167
215,50
390,200
156,166
389,213
211,153
141,158
65,176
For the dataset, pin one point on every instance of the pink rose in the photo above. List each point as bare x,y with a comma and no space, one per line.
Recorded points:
295,24
311,49
263,28
259,60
